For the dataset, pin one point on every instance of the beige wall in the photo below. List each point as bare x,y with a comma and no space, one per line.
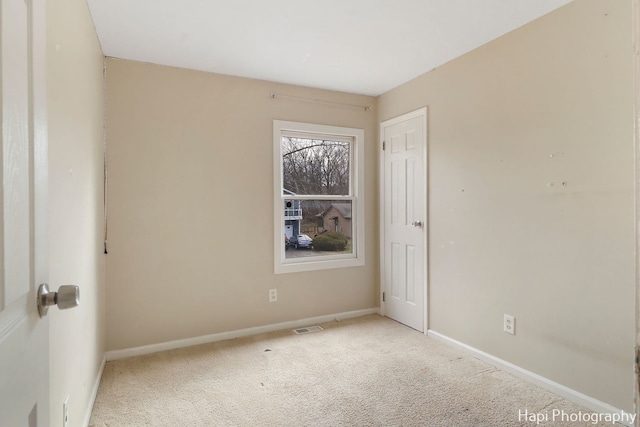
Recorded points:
191,206
75,107
508,124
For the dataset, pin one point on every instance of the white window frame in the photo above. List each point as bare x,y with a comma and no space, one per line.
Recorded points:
356,139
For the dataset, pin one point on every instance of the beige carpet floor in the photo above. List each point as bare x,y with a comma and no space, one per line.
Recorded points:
369,371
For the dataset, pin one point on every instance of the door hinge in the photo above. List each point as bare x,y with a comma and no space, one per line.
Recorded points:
383,297
638,366
384,145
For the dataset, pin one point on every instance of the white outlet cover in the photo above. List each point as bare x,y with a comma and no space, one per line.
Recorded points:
509,325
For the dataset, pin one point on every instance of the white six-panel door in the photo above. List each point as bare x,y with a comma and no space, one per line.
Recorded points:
404,219
24,340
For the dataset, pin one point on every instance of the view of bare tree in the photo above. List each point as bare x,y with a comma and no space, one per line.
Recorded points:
314,166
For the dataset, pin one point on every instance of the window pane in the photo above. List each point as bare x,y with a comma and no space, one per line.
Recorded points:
318,228
315,166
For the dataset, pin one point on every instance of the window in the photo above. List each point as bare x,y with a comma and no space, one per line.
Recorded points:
318,200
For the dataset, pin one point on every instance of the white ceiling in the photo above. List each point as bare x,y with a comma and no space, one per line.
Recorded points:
359,46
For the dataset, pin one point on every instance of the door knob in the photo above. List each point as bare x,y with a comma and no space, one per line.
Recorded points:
68,296
417,223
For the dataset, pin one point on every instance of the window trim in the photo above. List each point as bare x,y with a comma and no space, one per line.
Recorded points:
356,136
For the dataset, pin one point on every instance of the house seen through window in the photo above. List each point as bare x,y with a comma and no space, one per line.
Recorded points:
317,207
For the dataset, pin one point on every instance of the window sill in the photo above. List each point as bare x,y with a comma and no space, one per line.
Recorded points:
318,264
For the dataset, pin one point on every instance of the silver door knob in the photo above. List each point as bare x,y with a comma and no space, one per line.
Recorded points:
417,223
68,296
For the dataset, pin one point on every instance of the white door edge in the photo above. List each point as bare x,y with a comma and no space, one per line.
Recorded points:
421,112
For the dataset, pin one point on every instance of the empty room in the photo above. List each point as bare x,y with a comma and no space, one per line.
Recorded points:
417,213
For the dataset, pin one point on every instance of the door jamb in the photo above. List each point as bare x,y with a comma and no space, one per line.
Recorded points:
636,136
421,112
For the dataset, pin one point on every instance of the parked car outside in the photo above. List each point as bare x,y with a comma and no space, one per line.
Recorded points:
301,241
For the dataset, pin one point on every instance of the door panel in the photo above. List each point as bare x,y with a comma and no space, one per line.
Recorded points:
24,354
396,270
16,124
404,249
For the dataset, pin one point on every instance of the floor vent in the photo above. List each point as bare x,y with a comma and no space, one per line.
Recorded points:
308,330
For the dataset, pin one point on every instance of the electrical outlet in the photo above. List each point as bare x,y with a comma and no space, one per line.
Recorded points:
273,295
509,325
65,412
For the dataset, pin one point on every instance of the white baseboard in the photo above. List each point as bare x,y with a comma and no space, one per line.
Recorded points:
94,392
171,345
542,382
